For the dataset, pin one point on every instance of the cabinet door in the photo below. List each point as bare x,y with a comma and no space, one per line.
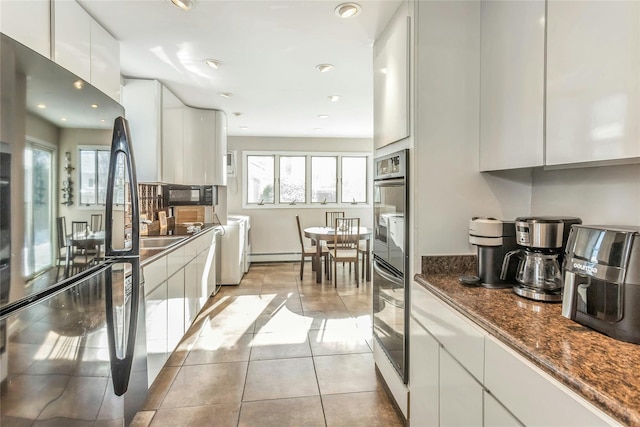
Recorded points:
516,382
460,394
496,415
105,61
72,33
141,100
423,376
217,169
191,298
27,22
157,312
593,89
512,84
391,82
176,309
199,133
173,111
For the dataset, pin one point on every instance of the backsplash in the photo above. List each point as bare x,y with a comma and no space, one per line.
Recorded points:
449,264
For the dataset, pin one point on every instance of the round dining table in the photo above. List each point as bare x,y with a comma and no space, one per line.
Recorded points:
327,234
89,240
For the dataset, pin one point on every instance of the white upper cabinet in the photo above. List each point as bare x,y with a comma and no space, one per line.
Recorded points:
199,133
84,47
593,79
105,61
217,173
28,22
205,147
391,82
142,100
512,84
72,43
173,117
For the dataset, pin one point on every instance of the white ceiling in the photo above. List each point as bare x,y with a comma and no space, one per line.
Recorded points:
268,50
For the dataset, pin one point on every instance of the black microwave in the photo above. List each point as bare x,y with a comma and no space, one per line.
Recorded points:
189,195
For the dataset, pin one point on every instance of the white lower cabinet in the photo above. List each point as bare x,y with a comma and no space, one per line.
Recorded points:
460,394
177,286
517,383
175,303
496,415
449,388
424,353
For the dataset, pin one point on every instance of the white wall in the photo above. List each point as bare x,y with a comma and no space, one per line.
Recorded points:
274,234
448,189
70,139
599,195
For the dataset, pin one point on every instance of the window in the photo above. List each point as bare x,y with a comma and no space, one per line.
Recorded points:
354,180
309,179
292,179
260,179
94,171
324,180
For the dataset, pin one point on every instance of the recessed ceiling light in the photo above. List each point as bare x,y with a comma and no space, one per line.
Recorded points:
348,10
237,114
317,129
213,63
64,119
244,127
334,98
78,84
185,5
94,105
41,106
323,68
225,94
323,116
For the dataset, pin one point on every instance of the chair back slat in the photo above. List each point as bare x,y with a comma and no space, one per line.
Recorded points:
347,231
330,217
61,229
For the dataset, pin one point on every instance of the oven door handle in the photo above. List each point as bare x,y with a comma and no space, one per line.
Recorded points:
396,182
386,274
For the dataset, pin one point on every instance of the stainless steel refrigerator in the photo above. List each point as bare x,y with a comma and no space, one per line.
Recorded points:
72,339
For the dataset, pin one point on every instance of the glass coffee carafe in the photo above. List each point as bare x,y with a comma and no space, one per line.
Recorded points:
537,270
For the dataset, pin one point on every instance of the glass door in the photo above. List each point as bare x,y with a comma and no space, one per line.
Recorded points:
38,208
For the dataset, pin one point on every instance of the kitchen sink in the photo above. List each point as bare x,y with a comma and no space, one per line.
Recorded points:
160,242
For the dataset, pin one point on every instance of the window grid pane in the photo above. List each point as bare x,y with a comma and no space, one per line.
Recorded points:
292,179
323,179
260,179
354,179
87,177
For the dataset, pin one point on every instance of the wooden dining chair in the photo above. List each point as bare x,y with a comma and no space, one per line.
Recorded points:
345,245
310,251
330,217
62,240
82,255
96,222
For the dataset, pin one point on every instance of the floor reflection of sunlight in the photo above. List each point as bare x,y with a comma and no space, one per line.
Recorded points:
58,347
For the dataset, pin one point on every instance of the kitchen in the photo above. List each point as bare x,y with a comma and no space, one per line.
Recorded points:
444,133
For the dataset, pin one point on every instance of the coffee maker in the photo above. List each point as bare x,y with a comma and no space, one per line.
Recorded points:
541,241
494,238
601,274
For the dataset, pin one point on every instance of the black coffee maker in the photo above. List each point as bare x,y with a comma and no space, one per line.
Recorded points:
494,239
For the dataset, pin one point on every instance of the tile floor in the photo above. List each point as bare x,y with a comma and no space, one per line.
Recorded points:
275,351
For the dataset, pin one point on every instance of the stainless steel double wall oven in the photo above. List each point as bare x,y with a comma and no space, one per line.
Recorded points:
391,258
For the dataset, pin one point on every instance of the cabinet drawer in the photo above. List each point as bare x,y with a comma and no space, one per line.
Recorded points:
203,242
459,336
154,274
517,384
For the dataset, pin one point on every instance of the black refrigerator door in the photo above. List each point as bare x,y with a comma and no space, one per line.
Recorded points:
122,240
57,358
122,228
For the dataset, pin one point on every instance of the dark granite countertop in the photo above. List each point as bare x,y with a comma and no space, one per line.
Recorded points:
604,371
149,255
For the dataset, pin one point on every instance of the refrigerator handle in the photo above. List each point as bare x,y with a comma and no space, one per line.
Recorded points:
121,144
121,366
